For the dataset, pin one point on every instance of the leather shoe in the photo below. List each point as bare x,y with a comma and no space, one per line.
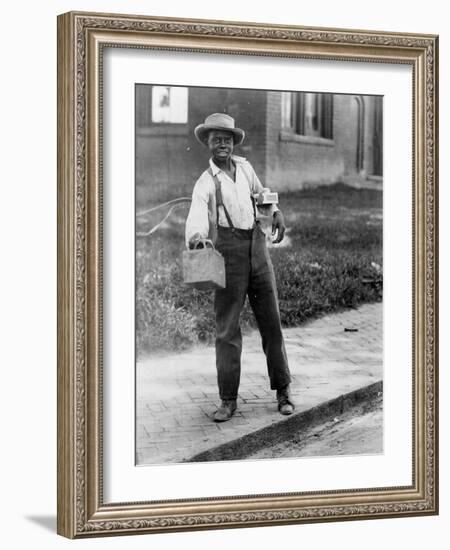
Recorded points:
285,404
225,411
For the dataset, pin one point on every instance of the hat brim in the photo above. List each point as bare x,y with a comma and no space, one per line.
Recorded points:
202,130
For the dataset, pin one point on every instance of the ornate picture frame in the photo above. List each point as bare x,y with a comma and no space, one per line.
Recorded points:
82,39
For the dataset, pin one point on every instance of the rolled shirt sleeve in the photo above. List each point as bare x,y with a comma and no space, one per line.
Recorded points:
256,184
198,218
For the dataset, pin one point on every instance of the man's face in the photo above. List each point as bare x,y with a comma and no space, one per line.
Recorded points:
220,144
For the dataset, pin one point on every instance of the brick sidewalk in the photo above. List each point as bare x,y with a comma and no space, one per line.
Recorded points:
177,393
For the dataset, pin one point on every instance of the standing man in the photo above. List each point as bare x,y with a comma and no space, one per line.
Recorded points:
222,208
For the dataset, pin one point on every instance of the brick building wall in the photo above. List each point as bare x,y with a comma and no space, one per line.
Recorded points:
369,136
295,162
169,159
355,135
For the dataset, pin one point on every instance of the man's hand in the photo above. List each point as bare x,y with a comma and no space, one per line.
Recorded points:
278,226
194,240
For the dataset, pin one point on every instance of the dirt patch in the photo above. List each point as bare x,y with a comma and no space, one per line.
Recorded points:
357,432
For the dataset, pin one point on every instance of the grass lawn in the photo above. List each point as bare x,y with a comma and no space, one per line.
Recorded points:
333,247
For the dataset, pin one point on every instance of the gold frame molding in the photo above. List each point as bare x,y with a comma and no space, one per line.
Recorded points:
81,37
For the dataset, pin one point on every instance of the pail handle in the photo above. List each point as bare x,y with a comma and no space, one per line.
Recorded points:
204,244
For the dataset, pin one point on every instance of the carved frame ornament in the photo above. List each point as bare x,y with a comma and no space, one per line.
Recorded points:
81,510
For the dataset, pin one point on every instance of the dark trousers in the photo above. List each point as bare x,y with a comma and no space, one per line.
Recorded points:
249,272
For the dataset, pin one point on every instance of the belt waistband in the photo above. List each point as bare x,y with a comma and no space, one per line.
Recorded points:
240,233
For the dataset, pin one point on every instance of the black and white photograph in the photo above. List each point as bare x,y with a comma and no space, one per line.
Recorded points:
258,274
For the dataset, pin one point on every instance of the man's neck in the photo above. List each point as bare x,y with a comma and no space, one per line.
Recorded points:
226,165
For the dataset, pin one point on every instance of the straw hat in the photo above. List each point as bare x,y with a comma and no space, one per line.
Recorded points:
219,121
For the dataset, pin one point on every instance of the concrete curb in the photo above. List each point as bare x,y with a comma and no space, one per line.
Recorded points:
286,428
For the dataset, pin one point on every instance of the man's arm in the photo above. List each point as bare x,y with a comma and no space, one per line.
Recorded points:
257,186
278,224
197,222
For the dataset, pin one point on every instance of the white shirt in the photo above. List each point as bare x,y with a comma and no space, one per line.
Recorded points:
236,195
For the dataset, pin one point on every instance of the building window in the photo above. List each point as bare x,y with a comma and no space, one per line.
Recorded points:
169,104
161,105
307,114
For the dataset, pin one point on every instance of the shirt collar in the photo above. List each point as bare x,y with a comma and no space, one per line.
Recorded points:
215,169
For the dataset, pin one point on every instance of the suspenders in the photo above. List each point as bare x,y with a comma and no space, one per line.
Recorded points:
219,200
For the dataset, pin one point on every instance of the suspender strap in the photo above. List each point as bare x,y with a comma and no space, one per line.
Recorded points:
219,200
